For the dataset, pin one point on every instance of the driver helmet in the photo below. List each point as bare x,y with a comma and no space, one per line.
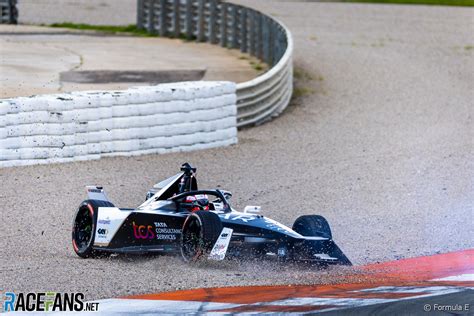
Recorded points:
199,202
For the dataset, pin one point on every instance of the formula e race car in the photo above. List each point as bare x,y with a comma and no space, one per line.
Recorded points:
179,218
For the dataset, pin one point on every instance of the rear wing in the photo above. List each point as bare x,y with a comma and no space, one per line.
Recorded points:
96,193
162,189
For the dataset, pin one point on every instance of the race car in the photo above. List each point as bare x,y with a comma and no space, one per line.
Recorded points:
179,218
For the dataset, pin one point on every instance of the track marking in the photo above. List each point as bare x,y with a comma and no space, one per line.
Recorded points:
462,277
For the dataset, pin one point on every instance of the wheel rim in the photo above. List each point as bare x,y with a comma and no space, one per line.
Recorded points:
191,247
83,225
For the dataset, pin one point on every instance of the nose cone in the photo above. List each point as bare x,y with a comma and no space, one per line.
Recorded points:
258,224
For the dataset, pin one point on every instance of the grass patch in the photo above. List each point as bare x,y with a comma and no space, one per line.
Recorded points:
184,38
299,92
303,82
467,3
379,44
257,66
110,29
469,47
301,74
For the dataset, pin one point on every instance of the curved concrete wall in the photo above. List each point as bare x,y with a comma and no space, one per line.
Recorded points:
141,120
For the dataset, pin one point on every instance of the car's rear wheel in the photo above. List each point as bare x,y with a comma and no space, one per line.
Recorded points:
200,232
83,227
312,225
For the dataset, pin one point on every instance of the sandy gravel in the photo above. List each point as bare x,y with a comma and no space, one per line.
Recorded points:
383,147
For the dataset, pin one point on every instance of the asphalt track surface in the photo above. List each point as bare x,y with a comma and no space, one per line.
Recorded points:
380,143
40,60
413,307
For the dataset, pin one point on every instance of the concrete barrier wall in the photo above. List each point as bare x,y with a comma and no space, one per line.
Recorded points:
142,120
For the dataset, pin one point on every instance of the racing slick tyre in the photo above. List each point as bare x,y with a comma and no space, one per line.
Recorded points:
200,232
83,227
312,225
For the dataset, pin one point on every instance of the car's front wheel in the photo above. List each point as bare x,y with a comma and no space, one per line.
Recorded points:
83,227
312,225
200,232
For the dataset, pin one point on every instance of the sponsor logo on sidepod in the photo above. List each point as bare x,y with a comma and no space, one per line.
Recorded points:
143,231
159,231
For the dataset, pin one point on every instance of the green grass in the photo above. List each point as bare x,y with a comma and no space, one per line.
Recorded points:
257,65
302,82
299,92
468,3
110,29
301,74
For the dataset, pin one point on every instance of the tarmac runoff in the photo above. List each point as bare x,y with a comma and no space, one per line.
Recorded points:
40,60
439,283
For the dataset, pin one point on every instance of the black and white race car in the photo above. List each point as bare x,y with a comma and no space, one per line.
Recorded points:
179,218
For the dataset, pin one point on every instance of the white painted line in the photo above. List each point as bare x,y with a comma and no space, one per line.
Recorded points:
410,289
318,301
461,277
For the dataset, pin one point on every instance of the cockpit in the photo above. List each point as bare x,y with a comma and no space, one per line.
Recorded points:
180,193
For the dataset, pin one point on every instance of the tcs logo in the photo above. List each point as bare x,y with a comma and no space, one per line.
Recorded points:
143,232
